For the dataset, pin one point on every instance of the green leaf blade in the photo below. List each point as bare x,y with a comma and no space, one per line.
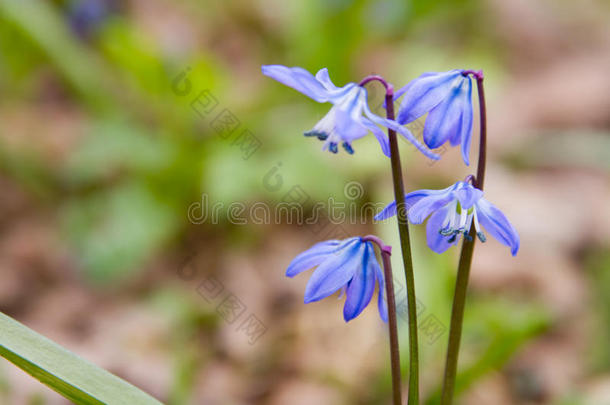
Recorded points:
71,376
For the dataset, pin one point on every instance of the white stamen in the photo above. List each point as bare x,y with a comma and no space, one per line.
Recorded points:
327,124
477,227
463,217
454,216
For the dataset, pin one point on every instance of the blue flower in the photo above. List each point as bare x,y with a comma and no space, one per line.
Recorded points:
447,98
87,16
452,212
349,265
350,117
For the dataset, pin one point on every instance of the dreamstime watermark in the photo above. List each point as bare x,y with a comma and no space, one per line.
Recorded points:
227,305
293,209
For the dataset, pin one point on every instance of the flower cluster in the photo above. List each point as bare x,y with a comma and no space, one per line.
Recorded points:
445,99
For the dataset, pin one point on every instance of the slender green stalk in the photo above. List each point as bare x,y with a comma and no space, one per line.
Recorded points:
386,251
457,316
405,244
463,273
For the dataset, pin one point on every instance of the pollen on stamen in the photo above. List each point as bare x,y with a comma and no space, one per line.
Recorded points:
481,236
320,135
348,148
333,147
446,232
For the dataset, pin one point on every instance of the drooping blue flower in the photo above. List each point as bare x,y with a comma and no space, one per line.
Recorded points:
350,117
348,265
447,98
452,212
87,16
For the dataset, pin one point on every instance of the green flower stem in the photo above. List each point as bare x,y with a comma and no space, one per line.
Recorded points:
463,273
405,246
386,252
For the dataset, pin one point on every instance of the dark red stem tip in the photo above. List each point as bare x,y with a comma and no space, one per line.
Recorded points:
477,74
389,89
377,240
470,179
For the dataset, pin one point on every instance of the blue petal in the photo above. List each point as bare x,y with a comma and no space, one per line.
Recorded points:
400,92
433,202
466,131
466,120
299,79
335,272
410,200
467,195
414,197
381,136
323,77
495,222
360,289
425,93
388,212
437,242
311,257
409,137
445,120
348,128
382,303
401,130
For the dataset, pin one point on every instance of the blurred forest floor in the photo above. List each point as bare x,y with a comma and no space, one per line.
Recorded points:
161,327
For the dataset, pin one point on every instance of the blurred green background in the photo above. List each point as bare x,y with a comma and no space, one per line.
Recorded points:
109,154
